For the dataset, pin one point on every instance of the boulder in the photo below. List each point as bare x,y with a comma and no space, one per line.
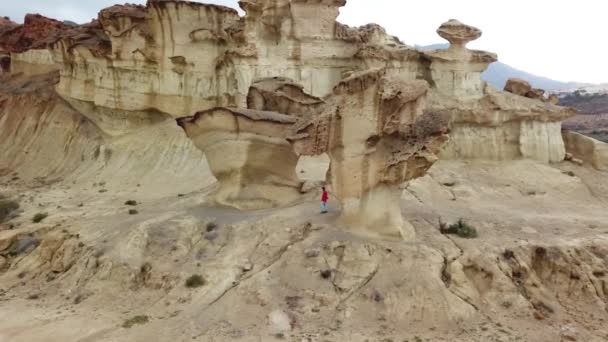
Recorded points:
518,87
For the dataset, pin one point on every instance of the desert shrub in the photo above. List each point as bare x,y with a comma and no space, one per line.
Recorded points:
131,203
461,229
6,208
39,217
133,212
195,281
211,226
326,274
141,319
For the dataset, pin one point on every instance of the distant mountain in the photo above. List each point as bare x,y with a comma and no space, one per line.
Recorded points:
498,73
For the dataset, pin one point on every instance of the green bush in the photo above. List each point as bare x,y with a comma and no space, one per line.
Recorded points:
6,208
461,229
195,281
39,217
141,319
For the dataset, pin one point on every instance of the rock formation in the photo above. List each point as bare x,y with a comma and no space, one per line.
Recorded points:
486,123
378,137
372,127
36,33
132,68
289,64
589,150
249,155
456,72
95,145
523,88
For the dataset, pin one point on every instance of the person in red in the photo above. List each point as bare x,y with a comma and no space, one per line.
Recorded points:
324,199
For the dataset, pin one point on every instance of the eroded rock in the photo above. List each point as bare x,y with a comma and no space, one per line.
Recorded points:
518,86
377,136
36,33
248,153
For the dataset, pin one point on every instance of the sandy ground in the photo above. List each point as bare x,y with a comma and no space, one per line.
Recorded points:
535,273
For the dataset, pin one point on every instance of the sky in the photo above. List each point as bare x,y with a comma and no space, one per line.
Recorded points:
559,39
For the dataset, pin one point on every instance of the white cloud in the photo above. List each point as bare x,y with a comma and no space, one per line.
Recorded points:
557,39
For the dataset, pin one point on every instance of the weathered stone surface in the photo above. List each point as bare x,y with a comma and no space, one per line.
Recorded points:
536,94
457,71
504,126
377,136
248,153
553,99
457,33
130,66
35,33
589,150
523,88
518,86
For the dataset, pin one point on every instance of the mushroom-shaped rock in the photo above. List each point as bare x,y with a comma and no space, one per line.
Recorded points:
457,33
457,70
378,137
248,153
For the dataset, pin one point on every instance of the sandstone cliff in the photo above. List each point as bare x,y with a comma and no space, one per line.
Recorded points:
177,58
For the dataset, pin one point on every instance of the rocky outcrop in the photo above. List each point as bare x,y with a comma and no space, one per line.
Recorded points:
141,64
37,32
378,137
488,124
518,86
254,77
589,150
249,155
523,88
503,126
373,127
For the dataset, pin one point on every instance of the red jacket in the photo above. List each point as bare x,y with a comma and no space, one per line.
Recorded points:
324,197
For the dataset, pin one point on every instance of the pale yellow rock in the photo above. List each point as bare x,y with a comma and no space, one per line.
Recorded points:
248,153
210,57
33,62
587,149
377,136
